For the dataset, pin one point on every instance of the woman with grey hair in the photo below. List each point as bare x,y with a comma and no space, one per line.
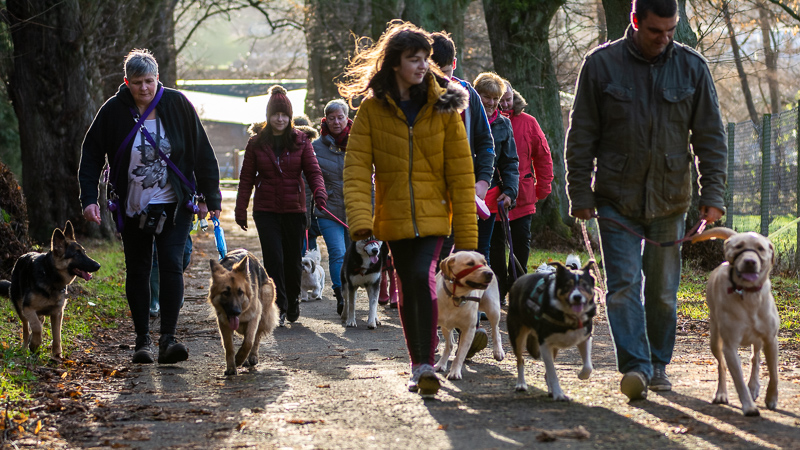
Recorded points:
330,149
159,159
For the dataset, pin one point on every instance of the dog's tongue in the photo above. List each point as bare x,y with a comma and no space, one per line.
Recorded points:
373,259
233,322
577,309
749,276
85,275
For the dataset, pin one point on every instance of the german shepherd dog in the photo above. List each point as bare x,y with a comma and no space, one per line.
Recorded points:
553,310
38,286
362,267
243,297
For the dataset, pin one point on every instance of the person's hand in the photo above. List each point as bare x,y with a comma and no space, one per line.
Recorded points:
241,222
710,213
203,210
480,189
504,200
218,214
583,214
92,213
320,201
362,234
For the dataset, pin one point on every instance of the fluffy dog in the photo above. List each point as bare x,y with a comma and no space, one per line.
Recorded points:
243,297
464,285
742,313
362,268
554,311
38,286
313,276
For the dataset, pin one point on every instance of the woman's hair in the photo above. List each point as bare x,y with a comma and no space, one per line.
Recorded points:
371,69
336,105
490,83
140,62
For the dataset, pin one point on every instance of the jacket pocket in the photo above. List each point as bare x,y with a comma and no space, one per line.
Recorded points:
677,177
610,174
679,101
618,101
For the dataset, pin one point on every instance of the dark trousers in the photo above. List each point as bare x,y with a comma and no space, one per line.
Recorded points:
415,262
138,247
521,239
281,237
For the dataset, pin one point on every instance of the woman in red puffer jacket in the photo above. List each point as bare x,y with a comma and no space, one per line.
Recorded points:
275,159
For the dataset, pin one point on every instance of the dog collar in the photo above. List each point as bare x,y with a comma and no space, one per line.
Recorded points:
736,288
456,280
459,300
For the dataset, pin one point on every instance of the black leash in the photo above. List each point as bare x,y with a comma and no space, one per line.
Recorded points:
515,264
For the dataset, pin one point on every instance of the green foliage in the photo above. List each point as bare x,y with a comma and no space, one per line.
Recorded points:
99,303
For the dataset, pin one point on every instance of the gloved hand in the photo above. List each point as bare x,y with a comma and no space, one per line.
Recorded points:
320,201
242,223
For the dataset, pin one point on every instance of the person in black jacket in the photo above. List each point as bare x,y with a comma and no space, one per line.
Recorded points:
147,187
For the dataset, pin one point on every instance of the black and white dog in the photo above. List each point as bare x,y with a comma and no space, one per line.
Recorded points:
554,311
362,268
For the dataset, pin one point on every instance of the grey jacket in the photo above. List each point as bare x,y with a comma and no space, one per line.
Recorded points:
506,173
331,163
635,118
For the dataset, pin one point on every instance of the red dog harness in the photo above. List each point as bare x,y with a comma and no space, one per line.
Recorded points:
456,281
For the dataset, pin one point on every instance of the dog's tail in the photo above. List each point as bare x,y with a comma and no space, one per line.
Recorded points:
5,288
713,233
573,261
314,255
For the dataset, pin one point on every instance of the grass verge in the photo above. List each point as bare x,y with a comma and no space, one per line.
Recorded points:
98,303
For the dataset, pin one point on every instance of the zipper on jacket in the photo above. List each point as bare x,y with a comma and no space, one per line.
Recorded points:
410,184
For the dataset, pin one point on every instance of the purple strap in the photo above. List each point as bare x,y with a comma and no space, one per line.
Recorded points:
167,160
136,127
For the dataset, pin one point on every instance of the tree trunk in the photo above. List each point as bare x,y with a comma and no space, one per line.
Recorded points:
329,28
737,58
602,35
518,34
383,11
770,59
440,15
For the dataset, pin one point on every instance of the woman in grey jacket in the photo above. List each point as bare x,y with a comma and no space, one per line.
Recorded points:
330,149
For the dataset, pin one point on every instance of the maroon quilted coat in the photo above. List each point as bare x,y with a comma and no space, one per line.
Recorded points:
277,181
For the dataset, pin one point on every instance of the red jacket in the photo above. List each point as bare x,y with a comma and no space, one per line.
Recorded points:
535,164
278,182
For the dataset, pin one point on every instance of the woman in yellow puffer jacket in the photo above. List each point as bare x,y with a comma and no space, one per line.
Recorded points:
409,133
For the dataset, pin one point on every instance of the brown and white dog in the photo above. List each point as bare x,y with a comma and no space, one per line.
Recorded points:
742,313
465,285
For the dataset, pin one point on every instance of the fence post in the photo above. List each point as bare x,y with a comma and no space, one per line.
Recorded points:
766,172
797,191
729,184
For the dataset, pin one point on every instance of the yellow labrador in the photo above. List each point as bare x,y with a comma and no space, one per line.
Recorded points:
465,285
742,313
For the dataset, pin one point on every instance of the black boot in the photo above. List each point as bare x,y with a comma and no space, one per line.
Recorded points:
143,352
337,292
170,351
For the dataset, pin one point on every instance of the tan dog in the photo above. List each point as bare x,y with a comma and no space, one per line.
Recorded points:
243,297
465,285
742,312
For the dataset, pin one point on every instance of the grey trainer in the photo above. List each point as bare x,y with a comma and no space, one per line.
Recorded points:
660,381
634,385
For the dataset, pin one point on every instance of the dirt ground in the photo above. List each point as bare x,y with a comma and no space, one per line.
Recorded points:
320,385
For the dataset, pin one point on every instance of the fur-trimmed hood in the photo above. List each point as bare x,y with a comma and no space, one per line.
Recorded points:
452,96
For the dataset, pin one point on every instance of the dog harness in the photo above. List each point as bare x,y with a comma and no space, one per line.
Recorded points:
543,311
456,281
736,288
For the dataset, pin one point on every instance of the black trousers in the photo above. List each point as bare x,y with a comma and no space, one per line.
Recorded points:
281,237
521,239
138,248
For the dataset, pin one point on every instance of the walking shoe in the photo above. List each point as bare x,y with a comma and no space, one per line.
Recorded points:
337,292
293,313
383,291
155,310
634,385
170,351
479,342
282,320
424,380
660,381
143,352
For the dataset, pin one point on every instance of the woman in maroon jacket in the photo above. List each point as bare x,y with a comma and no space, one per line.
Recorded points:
535,178
275,159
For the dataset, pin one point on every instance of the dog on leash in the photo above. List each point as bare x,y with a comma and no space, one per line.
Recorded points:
548,312
742,313
465,285
573,262
313,276
243,297
362,268
38,286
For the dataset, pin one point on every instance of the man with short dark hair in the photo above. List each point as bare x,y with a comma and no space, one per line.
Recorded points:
638,102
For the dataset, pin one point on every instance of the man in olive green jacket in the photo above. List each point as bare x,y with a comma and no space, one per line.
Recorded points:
639,102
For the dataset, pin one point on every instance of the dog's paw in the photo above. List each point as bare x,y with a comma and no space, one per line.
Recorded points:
521,387
560,397
720,399
230,371
350,324
440,367
251,361
373,325
585,373
772,404
751,412
499,356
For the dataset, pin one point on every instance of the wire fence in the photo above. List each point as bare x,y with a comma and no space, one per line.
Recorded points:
763,182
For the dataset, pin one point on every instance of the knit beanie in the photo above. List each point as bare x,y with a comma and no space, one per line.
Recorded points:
278,102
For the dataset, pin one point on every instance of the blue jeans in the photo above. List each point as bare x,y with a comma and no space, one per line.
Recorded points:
485,228
643,332
337,238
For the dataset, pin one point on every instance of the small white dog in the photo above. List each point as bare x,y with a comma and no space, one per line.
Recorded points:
742,313
464,285
573,262
313,277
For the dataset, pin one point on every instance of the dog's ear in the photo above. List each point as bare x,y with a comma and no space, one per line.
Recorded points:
69,231
216,268
561,270
58,242
772,252
313,266
589,265
242,266
445,268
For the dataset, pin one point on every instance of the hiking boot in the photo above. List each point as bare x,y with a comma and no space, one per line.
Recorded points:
337,292
660,381
383,291
170,351
143,352
634,385
479,342
293,313
155,310
424,380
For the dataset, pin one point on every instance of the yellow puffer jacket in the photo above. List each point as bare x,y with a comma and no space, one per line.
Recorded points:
424,179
